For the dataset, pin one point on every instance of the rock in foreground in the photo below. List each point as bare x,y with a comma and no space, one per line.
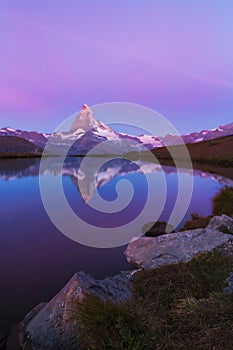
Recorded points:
148,252
53,327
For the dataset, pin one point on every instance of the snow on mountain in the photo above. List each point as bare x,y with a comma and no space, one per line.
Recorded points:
204,135
86,121
86,132
145,140
36,138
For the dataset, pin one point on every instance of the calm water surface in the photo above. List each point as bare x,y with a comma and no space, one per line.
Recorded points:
36,260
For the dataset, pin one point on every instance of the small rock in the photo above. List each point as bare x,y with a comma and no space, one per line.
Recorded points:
221,222
229,288
159,228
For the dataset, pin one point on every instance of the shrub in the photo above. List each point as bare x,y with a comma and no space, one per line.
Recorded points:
154,229
195,216
222,202
196,222
105,325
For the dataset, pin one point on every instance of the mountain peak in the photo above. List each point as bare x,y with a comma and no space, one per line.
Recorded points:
85,120
84,106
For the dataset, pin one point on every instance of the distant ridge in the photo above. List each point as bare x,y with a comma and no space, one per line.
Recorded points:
11,146
87,132
217,151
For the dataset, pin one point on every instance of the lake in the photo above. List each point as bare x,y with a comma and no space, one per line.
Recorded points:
36,260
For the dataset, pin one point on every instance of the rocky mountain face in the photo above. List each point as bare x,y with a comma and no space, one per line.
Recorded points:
87,132
12,145
36,138
86,121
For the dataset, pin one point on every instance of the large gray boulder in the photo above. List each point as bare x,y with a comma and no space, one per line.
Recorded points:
148,252
53,327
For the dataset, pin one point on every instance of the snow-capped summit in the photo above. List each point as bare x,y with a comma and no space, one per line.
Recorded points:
86,121
85,132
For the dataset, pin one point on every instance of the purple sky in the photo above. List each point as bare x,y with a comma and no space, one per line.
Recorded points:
173,56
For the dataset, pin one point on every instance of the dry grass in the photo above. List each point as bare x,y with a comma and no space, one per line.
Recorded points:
223,202
218,151
173,307
195,222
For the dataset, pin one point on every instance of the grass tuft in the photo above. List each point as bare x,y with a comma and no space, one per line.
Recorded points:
105,325
223,202
196,221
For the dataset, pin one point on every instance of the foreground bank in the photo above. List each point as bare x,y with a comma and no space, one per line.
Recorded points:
180,279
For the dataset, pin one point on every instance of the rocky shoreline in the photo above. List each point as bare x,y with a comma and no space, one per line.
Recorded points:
51,326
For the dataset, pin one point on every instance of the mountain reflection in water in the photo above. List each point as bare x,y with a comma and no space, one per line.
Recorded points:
90,179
